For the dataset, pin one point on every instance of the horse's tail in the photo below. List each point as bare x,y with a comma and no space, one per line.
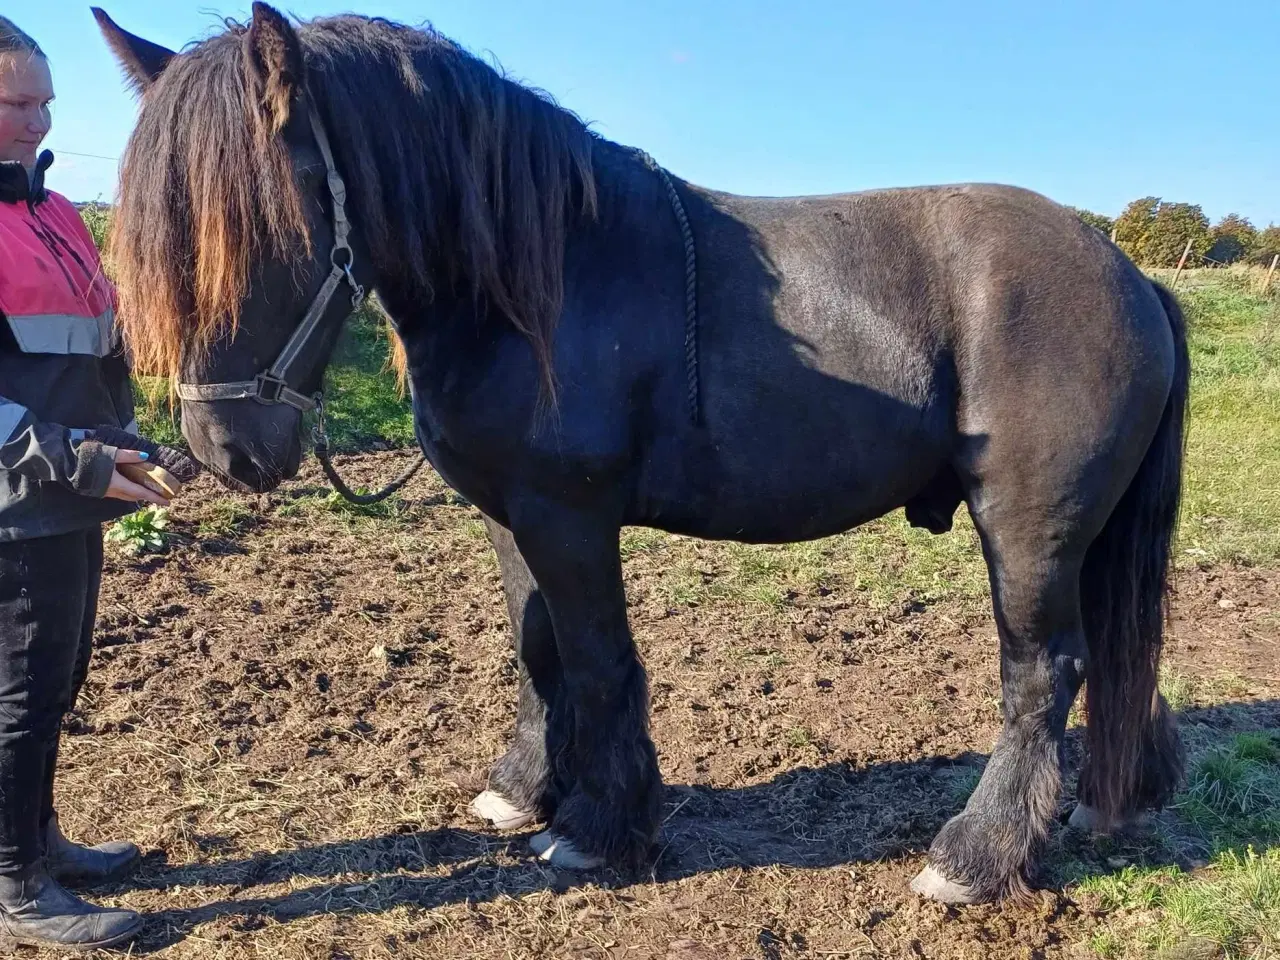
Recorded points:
1135,756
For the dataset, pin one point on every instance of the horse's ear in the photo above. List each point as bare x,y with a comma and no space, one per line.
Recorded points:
142,60
276,56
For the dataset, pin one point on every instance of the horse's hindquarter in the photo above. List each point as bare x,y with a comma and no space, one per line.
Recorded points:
827,393
1064,355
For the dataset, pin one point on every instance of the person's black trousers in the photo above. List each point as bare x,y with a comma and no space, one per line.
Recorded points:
48,604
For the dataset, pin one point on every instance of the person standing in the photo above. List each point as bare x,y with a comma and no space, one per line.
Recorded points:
62,373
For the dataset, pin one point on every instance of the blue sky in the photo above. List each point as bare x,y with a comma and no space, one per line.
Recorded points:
1093,103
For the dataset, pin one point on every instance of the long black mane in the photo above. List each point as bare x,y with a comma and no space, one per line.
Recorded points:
474,182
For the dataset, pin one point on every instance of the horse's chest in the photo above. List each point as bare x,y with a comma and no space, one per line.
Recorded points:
461,468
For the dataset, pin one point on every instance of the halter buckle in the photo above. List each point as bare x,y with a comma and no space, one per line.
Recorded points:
269,388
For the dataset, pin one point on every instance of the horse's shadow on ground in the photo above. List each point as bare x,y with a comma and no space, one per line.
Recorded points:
805,818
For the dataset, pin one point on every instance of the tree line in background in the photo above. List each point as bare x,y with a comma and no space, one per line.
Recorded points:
1154,232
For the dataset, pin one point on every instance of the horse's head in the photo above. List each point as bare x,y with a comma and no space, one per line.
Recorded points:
230,236
463,188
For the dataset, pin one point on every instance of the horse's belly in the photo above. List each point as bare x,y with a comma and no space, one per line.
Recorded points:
778,487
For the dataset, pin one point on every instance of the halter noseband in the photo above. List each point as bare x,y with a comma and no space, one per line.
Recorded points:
272,385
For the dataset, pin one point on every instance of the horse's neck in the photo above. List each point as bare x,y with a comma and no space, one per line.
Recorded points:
633,216
634,224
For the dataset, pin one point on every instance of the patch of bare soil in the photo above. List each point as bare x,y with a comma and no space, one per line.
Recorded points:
293,707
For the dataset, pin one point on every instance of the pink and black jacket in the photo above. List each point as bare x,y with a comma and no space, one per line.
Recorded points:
62,371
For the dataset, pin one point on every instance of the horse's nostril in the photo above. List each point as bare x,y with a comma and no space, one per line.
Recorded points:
243,469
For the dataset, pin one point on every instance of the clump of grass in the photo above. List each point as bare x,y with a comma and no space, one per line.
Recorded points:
1108,945
1182,690
1236,907
799,737
225,518
1131,888
392,508
1233,794
1231,908
637,540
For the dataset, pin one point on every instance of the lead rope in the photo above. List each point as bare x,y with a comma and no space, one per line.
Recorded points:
690,288
320,439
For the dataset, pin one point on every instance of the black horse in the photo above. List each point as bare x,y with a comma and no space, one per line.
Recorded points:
848,355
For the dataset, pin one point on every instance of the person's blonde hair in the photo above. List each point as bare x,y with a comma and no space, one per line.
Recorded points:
14,40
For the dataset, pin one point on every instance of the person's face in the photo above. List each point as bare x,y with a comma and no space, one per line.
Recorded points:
26,92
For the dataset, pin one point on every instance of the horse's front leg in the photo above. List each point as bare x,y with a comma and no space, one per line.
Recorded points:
521,787
608,812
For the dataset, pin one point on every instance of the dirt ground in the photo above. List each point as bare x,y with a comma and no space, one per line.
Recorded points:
291,709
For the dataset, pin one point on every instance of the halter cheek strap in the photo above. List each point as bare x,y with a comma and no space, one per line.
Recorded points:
272,385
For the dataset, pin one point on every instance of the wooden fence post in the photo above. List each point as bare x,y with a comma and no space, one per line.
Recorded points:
1182,262
1266,281
1113,234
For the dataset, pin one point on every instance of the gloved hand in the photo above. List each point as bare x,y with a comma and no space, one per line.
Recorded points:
166,468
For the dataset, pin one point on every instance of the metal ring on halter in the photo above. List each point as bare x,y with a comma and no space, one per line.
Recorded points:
357,290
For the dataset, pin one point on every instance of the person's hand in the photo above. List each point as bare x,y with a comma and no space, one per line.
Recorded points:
122,488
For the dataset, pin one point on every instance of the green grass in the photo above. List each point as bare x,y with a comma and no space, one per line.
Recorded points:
885,563
1231,510
225,518
1229,908
1183,690
392,509
363,400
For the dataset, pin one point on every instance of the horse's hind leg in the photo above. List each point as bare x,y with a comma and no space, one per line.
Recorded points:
521,785
985,852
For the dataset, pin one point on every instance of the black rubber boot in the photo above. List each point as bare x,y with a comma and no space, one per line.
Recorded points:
35,911
78,867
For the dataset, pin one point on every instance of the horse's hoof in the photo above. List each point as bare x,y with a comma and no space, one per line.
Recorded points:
1089,819
560,852
932,884
500,812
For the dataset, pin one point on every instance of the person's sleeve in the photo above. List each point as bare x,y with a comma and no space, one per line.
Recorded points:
49,451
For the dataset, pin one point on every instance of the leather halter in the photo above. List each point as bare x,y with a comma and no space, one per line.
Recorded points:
272,385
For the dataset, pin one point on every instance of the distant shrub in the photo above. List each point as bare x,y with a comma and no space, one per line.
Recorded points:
97,217
1234,238
1097,220
1267,246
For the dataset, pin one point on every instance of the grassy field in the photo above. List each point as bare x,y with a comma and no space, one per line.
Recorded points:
1225,901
